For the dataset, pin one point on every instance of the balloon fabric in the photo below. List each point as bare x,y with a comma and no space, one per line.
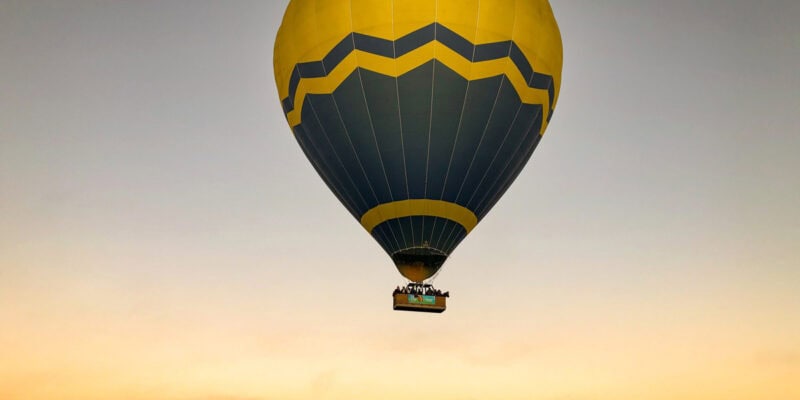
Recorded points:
418,114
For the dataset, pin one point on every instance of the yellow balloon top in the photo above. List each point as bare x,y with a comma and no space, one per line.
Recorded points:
313,29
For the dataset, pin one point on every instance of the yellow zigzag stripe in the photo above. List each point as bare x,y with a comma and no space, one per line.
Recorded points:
396,67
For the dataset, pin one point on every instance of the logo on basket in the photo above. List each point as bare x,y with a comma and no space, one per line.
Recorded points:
421,299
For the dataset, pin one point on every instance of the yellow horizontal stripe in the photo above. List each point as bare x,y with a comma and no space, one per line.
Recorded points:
419,207
397,67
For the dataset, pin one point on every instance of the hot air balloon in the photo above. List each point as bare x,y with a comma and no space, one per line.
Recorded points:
418,114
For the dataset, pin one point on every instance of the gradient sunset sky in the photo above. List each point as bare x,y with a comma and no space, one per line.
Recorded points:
163,237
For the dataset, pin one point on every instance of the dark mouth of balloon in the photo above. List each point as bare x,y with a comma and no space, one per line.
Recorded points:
418,264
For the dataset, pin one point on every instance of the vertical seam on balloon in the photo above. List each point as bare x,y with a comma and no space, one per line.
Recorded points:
480,142
463,107
483,135
333,150
460,118
448,243
352,147
444,244
506,184
545,111
497,153
433,228
353,201
441,234
333,178
515,171
400,119
516,115
372,129
366,104
430,130
510,128
371,125
533,122
507,58
349,139
430,115
382,232
486,196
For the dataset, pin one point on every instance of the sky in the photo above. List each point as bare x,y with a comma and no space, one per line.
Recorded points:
163,237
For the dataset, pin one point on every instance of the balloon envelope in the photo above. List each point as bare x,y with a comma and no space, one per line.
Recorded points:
418,114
